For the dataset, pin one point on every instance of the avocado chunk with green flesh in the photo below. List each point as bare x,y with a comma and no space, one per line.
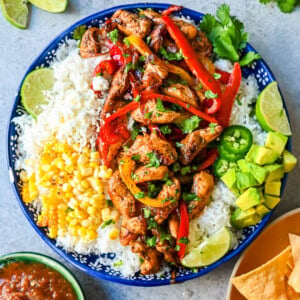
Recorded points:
252,153
273,188
250,198
289,161
229,178
271,201
276,141
274,172
262,210
241,219
265,156
245,180
257,171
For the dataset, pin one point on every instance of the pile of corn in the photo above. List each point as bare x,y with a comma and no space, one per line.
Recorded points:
70,184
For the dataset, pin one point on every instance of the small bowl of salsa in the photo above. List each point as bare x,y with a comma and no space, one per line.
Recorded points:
28,275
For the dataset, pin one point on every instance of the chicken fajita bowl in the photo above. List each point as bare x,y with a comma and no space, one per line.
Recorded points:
141,147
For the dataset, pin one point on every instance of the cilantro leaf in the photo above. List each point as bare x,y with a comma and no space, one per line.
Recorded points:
108,222
160,106
153,160
210,95
225,32
187,197
183,240
165,129
113,35
170,55
136,157
190,124
139,195
153,190
248,58
147,213
286,6
118,263
79,32
151,242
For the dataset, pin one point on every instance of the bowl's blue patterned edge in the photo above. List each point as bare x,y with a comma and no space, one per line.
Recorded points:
253,231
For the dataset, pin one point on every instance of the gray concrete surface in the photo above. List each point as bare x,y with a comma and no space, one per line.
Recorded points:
275,35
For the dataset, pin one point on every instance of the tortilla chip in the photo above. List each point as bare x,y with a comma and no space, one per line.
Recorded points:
267,282
294,279
290,262
291,294
295,246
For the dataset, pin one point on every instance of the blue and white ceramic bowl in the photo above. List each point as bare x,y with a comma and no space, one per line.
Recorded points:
87,262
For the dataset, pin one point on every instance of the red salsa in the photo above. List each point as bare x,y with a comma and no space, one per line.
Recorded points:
31,280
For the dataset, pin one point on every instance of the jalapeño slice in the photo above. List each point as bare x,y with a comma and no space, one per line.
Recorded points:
236,139
232,157
221,166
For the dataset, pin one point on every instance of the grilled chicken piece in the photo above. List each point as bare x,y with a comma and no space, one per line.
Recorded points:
119,85
156,37
170,254
130,23
182,92
90,45
152,15
202,186
121,196
136,225
157,117
173,222
194,142
144,174
188,29
169,192
201,44
152,143
126,237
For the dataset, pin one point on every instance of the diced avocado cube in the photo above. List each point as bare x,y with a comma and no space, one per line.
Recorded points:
273,188
261,210
241,219
289,161
252,153
276,141
271,201
245,180
248,199
274,172
265,156
257,171
229,178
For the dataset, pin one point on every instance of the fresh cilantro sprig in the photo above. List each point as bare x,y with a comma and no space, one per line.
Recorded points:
286,6
190,124
227,35
170,55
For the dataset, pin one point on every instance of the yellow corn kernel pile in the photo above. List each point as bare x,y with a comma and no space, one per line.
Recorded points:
70,185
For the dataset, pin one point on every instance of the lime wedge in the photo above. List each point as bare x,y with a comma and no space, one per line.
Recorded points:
15,12
54,6
33,88
211,250
270,112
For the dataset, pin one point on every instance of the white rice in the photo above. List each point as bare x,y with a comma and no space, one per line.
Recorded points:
71,116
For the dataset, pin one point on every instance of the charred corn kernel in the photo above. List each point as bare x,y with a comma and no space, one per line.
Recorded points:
59,163
91,210
105,214
66,187
86,171
82,231
91,235
86,222
52,232
114,215
82,159
113,234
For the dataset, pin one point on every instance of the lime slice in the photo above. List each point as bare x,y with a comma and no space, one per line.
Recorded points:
53,6
15,12
211,250
270,112
33,90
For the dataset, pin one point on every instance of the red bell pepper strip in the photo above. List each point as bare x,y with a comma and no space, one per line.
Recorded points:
183,230
150,95
191,58
224,76
212,105
212,156
108,66
122,111
171,9
229,95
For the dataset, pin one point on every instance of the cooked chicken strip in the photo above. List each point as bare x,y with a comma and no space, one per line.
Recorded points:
90,45
202,186
144,174
136,225
182,92
121,196
194,142
126,237
130,23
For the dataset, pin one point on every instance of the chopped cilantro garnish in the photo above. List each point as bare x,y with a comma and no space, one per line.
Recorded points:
139,195
190,197
248,58
153,160
147,213
178,145
142,58
177,248
148,39
153,190
184,240
134,176
68,210
165,129
136,157
126,55
171,199
126,42
137,98
165,236
151,242
184,170
190,124
170,55
217,76
129,66
135,131
109,202
210,95
212,127
79,32
148,115
176,167
159,106
108,222
113,35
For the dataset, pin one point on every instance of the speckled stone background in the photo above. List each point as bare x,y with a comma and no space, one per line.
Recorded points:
276,36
